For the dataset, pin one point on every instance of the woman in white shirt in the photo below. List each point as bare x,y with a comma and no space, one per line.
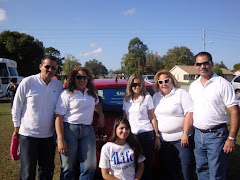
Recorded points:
173,110
75,133
139,109
122,155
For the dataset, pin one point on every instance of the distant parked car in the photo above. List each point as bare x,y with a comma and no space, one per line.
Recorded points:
149,79
2,94
236,85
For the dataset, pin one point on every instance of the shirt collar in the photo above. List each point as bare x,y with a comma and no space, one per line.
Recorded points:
172,92
138,100
212,79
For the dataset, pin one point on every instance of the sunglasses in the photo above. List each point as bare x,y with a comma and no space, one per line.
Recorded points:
206,63
136,84
166,81
79,77
48,67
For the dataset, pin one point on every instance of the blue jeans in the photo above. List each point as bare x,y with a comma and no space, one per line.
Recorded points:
147,142
176,158
211,161
33,151
81,146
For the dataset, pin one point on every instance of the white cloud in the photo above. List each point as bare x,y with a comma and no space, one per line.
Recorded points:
3,15
129,12
92,53
92,45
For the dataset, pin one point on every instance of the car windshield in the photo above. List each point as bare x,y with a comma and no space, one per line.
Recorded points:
150,77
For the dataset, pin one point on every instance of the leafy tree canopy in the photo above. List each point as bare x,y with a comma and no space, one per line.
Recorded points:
70,63
153,63
97,67
178,56
22,48
217,69
236,67
221,65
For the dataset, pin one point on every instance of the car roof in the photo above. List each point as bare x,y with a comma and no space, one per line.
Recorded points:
113,83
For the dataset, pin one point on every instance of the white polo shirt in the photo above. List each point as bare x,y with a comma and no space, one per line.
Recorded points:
170,111
77,108
137,114
210,101
34,105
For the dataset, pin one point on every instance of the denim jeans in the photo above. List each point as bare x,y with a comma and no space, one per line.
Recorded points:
33,151
211,161
147,142
81,147
177,159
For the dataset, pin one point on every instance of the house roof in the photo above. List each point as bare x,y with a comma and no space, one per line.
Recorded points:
192,70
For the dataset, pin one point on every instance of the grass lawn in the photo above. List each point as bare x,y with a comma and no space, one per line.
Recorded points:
9,168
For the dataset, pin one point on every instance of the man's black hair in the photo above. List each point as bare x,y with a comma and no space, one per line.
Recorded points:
205,54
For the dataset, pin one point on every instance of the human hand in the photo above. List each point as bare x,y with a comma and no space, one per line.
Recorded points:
229,146
157,143
184,140
15,133
62,146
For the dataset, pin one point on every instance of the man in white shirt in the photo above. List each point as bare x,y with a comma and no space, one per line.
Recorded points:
33,119
211,95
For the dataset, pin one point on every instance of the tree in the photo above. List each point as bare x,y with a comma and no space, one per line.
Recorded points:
236,67
97,67
217,69
153,63
50,51
136,54
178,56
70,59
222,65
22,48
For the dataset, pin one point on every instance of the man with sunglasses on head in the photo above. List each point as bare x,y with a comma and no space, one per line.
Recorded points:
211,95
33,119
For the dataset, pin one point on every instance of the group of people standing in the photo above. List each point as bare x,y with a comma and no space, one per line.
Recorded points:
165,122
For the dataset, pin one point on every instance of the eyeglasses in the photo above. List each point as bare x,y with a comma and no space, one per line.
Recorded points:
136,84
206,63
48,67
79,77
166,81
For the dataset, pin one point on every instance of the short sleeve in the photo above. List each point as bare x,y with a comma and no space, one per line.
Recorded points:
150,102
187,102
62,103
104,158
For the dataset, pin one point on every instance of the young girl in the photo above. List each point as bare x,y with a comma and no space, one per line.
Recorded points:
122,154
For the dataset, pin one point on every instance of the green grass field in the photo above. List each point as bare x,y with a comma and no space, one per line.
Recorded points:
9,168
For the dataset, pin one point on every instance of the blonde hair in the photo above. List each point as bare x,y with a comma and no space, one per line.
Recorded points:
173,79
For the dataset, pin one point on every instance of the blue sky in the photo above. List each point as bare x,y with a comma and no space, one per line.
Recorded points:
102,29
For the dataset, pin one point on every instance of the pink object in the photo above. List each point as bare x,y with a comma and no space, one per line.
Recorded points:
15,149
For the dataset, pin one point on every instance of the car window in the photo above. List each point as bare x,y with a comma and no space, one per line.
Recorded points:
150,77
237,79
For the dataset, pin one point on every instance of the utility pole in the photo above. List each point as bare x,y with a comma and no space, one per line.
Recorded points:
203,40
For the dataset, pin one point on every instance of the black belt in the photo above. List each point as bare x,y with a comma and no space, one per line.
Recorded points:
213,130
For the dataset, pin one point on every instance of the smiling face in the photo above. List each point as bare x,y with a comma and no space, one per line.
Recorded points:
166,85
81,83
205,69
136,86
122,133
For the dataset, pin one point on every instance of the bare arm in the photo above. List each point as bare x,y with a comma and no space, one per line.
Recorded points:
62,146
15,132
140,170
187,125
124,114
107,176
101,120
153,120
229,145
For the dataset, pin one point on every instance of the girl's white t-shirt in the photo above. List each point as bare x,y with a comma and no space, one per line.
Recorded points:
119,159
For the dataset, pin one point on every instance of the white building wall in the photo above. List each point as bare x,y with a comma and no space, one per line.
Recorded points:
179,74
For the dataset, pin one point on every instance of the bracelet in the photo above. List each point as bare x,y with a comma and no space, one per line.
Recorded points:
186,132
231,138
158,135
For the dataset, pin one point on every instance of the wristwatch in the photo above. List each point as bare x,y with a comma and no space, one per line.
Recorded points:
186,132
231,138
158,135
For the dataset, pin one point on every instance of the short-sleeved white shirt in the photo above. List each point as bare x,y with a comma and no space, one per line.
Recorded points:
211,100
170,111
119,160
77,108
137,114
34,105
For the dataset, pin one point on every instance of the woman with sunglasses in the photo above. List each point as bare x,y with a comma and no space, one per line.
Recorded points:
173,110
139,110
75,133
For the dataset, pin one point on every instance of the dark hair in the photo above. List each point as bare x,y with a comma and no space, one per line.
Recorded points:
131,139
71,85
129,91
164,71
205,54
52,58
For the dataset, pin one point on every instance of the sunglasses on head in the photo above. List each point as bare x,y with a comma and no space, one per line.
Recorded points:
136,84
79,77
206,63
166,81
48,67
